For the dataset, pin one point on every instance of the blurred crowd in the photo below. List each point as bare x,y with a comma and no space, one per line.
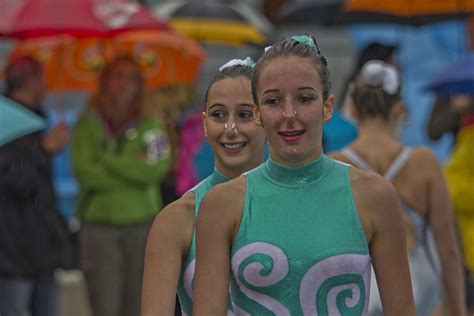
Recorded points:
133,152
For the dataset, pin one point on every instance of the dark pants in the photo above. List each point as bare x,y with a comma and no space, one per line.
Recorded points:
112,261
36,296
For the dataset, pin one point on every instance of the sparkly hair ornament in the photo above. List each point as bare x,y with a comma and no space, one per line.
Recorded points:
310,41
305,39
248,62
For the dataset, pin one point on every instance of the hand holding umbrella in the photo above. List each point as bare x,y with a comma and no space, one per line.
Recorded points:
57,138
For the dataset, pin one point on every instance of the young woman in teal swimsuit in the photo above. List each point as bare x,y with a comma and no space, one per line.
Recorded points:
297,235
238,146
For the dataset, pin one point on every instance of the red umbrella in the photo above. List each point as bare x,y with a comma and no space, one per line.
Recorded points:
78,18
73,39
9,10
126,15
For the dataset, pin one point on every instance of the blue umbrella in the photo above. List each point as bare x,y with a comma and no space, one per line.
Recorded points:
457,78
17,121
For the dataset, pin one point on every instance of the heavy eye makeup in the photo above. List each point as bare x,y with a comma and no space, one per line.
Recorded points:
217,112
243,113
271,101
306,98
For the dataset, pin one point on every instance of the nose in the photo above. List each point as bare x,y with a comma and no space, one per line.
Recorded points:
230,129
288,111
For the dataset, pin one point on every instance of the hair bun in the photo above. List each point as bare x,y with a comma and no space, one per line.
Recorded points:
376,73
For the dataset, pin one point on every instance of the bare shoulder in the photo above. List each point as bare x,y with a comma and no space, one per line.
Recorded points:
375,198
181,210
371,187
229,191
424,157
180,214
422,167
371,182
226,199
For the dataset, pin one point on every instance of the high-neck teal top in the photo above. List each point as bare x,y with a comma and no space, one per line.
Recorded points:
300,248
185,289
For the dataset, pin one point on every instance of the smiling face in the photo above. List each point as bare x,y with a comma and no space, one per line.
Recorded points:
236,140
292,110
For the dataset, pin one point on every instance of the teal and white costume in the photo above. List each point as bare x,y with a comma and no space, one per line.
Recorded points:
300,248
185,288
423,260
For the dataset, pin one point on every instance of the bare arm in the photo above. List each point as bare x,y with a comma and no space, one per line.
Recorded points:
166,249
388,242
218,214
441,218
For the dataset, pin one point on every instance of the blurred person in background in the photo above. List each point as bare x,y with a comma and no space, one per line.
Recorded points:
33,237
341,130
444,119
459,171
238,144
120,156
377,106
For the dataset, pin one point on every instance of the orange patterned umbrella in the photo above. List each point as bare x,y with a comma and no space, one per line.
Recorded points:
415,12
73,64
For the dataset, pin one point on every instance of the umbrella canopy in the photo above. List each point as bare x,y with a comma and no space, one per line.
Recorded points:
414,12
74,64
78,18
457,78
9,11
322,12
16,121
216,22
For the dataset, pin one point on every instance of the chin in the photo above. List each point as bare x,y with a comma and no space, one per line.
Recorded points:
235,162
297,157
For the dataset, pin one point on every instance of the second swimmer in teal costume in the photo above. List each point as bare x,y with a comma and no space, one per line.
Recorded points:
238,146
298,234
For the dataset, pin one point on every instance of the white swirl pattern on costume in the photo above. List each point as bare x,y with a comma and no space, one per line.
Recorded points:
188,282
335,284
252,274
189,277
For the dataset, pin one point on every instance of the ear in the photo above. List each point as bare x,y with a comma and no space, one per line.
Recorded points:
399,111
257,116
328,108
203,117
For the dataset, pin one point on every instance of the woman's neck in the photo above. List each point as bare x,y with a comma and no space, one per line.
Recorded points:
376,131
235,172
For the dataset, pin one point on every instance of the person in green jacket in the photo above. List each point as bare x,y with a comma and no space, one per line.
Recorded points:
120,157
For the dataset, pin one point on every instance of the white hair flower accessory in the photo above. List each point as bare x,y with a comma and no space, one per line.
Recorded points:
376,73
238,62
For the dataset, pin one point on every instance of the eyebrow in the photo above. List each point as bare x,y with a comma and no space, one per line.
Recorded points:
270,91
306,88
302,88
220,104
214,105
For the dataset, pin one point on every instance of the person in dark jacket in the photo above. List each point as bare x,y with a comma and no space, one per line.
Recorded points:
33,237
